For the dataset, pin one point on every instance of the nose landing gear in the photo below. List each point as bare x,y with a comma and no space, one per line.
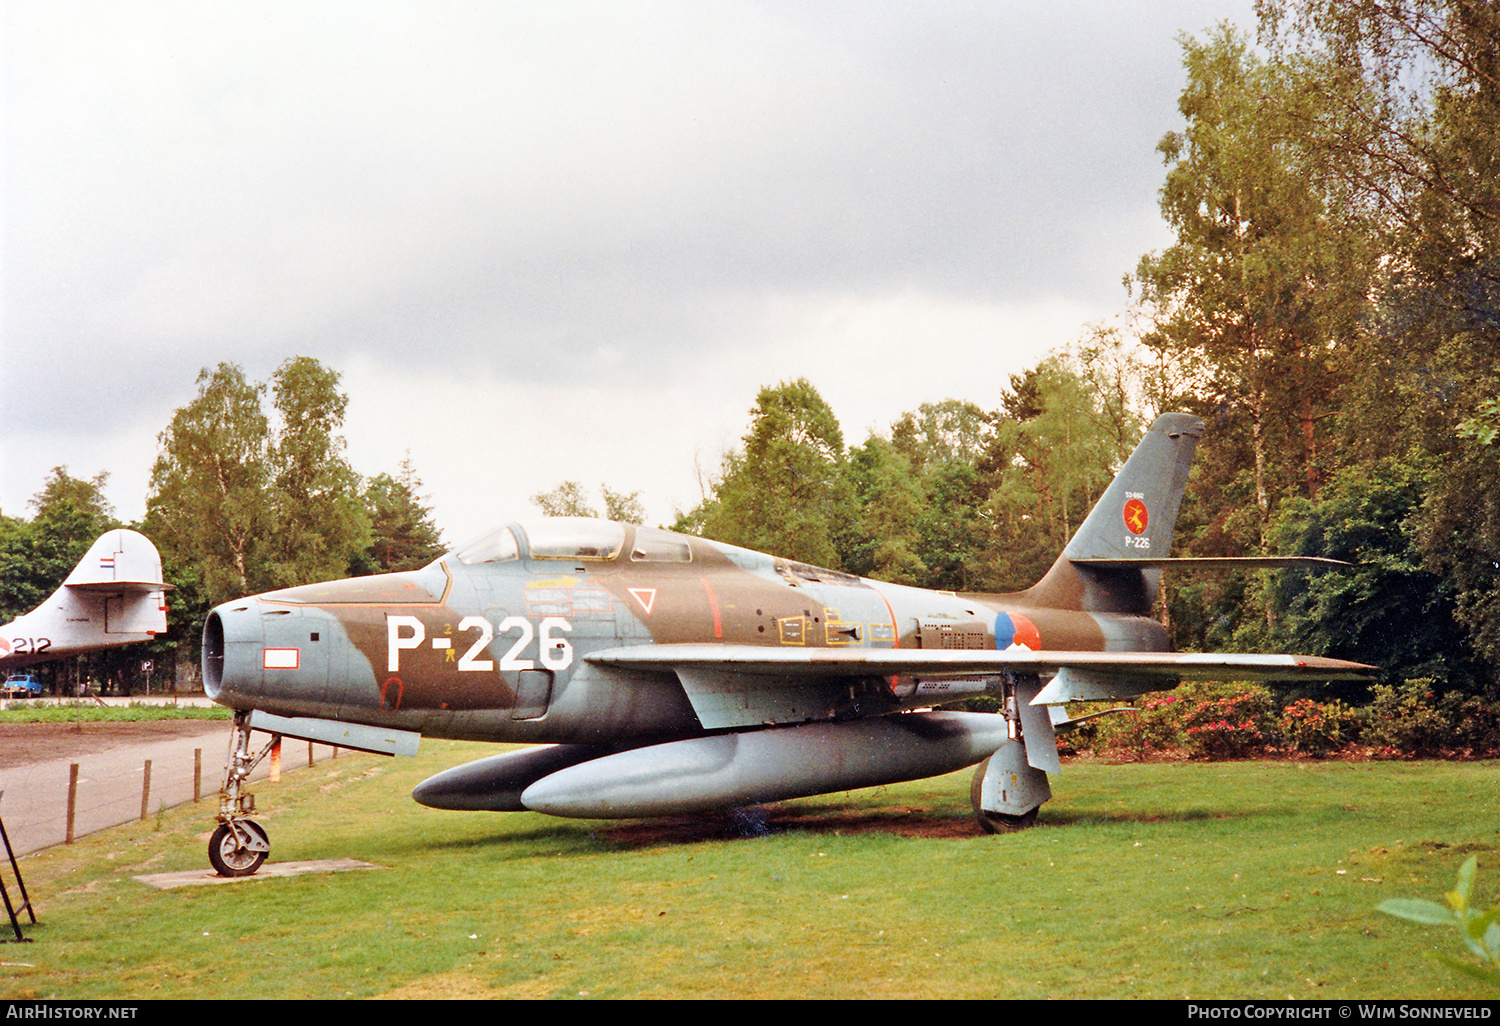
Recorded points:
239,844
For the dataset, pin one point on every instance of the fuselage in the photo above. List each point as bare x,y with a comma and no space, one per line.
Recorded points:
492,641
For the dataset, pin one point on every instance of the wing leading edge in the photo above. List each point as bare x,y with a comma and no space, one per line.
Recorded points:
817,663
741,685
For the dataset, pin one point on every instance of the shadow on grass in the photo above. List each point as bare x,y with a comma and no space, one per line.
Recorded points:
828,819
586,837
768,820
902,821
1099,817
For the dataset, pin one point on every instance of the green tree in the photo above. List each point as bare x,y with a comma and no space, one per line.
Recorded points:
1265,278
1071,446
946,444
785,491
1409,112
76,509
320,521
241,505
625,508
210,504
1388,609
402,533
69,514
891,504
1411,120
18,592
566,500
1060,438
570,500
1460,534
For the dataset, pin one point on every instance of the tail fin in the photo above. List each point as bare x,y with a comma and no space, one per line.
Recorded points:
1111,564
114,596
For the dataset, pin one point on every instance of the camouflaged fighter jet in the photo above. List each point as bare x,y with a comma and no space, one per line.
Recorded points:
114,596
660,674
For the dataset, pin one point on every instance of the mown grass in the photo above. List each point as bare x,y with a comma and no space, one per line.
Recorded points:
1173,880
92,712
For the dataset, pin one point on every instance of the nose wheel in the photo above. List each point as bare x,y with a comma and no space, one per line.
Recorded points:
238,848
239,845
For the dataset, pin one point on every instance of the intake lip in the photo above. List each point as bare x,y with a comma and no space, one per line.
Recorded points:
232,644
213,655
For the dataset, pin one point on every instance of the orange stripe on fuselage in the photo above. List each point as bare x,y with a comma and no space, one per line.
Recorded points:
895,631
713,602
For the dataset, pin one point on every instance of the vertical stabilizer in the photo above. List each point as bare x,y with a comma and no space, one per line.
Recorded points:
1133,520
114,596
120,559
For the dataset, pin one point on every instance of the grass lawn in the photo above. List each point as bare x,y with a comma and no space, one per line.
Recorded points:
89,712
1171,880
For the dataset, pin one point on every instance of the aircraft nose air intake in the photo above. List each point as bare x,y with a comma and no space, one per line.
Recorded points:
279,658
232,643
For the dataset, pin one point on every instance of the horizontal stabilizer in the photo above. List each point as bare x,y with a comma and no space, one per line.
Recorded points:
1216,563
119,587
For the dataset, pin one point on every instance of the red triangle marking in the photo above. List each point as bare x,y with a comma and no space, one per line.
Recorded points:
646,597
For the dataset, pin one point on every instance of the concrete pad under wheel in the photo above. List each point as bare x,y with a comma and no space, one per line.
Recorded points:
207,877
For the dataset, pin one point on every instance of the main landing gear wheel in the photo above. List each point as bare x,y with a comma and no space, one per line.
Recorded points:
993,822
1000,823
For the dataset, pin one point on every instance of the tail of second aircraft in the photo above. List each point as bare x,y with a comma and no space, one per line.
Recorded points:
1113,563
114,596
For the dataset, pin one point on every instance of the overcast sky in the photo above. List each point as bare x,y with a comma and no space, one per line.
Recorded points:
566,240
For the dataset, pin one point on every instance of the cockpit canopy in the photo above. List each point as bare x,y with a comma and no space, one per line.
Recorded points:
574,538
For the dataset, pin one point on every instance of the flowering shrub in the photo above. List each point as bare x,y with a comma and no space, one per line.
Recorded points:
1473,725
1229,722
1153,727
1404,720
1317,728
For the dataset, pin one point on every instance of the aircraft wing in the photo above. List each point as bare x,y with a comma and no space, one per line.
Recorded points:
750,685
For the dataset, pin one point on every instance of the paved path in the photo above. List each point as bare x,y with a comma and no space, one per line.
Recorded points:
34,796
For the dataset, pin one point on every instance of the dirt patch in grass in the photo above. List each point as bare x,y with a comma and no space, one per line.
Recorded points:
24,743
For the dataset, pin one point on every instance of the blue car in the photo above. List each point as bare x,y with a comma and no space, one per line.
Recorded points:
21,685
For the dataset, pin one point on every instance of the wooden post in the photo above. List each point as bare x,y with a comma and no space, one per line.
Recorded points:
72,797
197,774
146,790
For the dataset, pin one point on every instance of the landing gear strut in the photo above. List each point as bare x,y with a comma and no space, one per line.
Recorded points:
1011,785
239,845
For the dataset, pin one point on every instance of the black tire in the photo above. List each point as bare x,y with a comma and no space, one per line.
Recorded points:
1000,823
229,857
996,822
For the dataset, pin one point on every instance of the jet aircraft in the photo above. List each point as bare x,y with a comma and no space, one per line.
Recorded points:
114,596
659,674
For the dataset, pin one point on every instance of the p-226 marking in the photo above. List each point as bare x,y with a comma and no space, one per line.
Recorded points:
556,652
